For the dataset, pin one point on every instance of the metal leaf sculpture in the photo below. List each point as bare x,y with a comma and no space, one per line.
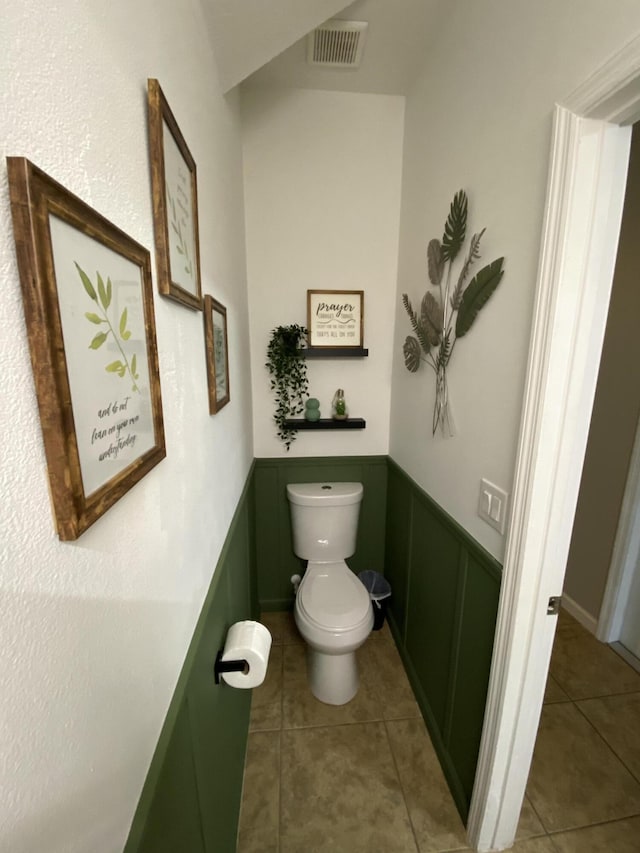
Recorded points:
455,227
435,262
411,350
451,313
473,255
477,295
432,316
418,328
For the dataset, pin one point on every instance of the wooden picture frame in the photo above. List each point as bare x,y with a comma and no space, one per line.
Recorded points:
335,318
217,349
175,204
88,304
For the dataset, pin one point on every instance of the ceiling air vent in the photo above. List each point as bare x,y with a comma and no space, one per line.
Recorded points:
337,44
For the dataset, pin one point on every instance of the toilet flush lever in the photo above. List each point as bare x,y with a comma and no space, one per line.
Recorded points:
553,607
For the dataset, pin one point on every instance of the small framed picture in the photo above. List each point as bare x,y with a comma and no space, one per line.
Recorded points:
215,335
175,204
88,305
335,318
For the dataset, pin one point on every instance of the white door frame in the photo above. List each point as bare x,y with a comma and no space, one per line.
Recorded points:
585,195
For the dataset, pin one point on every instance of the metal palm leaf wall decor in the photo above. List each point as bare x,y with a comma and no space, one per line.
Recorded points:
448,312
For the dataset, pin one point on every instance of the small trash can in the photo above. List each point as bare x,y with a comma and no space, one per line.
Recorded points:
379,590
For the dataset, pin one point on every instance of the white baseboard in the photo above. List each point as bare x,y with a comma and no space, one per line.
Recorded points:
625,654
585,619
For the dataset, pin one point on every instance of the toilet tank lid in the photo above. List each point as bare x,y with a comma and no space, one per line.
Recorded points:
324,494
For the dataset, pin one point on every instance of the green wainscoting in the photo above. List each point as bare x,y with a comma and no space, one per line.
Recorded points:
191,797
275,559
443,615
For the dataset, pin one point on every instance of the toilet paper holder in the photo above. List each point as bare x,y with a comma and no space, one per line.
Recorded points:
228,666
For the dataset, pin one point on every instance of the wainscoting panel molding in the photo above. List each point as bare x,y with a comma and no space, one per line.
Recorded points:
443,615
191,797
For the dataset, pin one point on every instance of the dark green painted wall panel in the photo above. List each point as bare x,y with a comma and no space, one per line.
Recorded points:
477,627
219,715
275,559
443,611
267,533
396,560
452,586
192,794
372,526
432,604
174,817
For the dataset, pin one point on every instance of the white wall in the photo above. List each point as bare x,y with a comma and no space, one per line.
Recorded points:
93,633
322,199
479,118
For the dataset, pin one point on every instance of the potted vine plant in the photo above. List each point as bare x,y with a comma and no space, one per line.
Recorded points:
447,314
288,370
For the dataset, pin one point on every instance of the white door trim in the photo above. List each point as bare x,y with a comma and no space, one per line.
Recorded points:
624,558
585,196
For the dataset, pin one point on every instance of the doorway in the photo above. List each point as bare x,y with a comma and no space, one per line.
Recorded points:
584,783
601,574
629,643
589,158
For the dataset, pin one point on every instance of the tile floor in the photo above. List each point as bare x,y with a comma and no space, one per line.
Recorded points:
364,777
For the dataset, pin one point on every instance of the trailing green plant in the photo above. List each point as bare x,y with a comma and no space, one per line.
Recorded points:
288,370
450,312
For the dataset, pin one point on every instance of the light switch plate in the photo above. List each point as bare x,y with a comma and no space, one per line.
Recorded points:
492,505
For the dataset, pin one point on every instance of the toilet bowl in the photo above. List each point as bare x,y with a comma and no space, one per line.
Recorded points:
332,609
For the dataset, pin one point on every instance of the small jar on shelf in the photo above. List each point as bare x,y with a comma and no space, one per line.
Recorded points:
339,411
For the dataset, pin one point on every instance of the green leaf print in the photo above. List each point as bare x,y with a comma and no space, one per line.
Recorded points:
103,298
99,339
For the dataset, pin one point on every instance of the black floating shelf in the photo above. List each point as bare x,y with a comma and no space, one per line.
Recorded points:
325,423
334,352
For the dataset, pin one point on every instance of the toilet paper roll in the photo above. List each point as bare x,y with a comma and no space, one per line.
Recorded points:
249,641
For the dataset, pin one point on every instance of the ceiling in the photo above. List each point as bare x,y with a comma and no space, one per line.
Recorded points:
264,43
246,34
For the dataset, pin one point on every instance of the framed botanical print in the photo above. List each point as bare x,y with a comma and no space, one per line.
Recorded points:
215,332
175,204
88,305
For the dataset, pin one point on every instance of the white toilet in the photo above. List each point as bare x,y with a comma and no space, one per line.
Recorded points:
333,610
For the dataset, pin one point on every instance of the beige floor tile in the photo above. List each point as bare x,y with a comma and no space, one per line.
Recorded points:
553,692
568,626
617,718
585,668
282,627
300,708
381,665
436,822
534,845
341,793
529,825
383,633
261,803
266,701
575,778
258,840
622,836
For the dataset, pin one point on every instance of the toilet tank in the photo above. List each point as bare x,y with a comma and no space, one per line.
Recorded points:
324,519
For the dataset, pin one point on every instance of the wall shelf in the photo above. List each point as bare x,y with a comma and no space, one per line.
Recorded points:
325,423
334,352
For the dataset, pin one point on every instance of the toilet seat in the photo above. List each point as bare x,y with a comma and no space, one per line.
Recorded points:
331,597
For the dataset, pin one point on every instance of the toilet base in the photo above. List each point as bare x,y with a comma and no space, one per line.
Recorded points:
333,679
